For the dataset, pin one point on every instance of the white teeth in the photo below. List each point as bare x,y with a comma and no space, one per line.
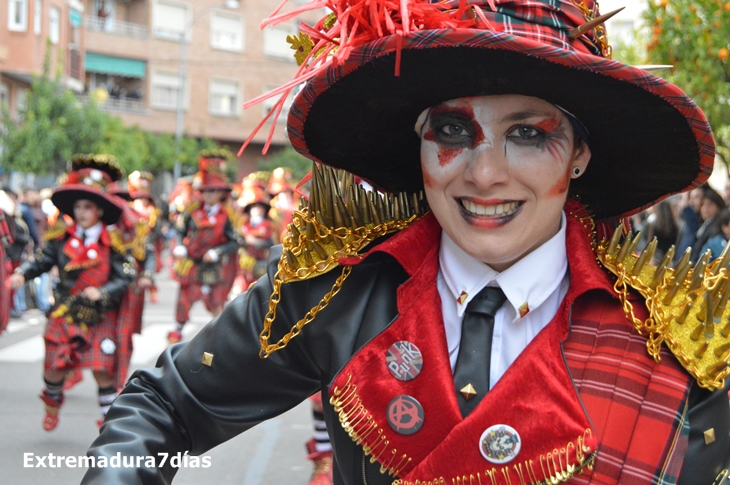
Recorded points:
490,210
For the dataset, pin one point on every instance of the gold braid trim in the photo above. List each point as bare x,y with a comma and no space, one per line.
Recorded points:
56,231
359,424
328,228
138,245
117,242
687,305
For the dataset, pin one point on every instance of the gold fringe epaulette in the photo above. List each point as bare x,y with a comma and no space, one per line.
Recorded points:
56,231
117,242
192,206
687,305
340,219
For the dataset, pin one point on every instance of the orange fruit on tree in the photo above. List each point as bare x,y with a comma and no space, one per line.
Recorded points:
723,54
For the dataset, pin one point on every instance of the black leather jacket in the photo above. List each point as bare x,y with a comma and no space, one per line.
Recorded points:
183,405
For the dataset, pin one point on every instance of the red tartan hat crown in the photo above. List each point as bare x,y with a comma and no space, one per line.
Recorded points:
211,174
372,66
92,177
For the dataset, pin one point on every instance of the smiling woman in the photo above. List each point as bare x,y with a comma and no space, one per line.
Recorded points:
507,335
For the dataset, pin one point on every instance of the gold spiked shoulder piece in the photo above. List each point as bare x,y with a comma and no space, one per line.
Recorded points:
687,305
340,219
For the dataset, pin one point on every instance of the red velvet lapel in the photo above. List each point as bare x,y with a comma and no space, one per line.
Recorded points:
536,395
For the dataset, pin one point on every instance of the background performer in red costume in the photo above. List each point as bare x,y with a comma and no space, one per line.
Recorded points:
94,274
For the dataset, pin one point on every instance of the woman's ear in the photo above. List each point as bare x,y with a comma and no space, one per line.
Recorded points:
581,158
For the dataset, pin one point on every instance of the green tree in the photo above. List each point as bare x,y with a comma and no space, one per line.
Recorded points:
694,36
288,157
50,129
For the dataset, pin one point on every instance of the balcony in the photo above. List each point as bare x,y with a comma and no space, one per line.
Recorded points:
117,27
123,105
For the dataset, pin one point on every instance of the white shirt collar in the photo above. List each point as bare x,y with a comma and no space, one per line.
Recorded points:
92,233
212,210
530,280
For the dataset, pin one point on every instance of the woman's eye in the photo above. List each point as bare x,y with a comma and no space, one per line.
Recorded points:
525,132
453,130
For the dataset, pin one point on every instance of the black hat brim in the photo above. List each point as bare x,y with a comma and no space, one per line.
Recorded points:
65,197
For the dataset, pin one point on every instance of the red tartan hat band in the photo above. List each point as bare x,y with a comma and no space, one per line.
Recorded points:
358,107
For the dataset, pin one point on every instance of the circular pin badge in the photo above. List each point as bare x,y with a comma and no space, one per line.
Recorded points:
211,219
405,415
500,444
75,243
404,360
108,346
91,253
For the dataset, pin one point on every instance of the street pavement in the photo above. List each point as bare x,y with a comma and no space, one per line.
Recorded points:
271,453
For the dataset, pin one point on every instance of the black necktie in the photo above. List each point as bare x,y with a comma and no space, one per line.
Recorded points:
471,374
83,238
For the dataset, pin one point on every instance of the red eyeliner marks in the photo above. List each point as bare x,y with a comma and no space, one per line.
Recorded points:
446,155
466,112
548,125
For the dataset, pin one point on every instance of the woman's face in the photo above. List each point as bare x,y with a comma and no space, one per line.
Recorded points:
496,171
708,209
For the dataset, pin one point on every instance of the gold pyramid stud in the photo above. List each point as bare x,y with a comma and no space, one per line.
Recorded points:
710,436
207,359
524,310
462,298
469,392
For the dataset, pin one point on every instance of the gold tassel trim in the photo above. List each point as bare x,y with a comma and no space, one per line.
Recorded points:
359,424
687,304
553,465
339,220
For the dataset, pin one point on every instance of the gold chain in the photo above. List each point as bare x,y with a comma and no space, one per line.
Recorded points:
267,349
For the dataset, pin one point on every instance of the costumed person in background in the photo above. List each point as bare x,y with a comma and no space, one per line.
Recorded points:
133,232
7,207
509,335
145,204
284,199
257,230
206,239
82,327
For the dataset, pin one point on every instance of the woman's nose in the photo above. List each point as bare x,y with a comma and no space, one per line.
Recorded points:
488,167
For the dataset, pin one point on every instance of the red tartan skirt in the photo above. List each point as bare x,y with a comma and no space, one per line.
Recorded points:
192,292
69,346
5,291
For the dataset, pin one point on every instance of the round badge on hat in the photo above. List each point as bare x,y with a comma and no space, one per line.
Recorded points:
500,444
404,360
405,414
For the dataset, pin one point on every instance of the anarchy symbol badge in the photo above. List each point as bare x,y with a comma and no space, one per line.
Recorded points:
405,415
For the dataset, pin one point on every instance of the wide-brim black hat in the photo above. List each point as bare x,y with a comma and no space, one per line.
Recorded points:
648,138
65,197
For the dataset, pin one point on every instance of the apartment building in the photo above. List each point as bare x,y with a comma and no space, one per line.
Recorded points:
126,54
25,27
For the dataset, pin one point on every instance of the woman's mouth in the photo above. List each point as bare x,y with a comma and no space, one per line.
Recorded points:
489,215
